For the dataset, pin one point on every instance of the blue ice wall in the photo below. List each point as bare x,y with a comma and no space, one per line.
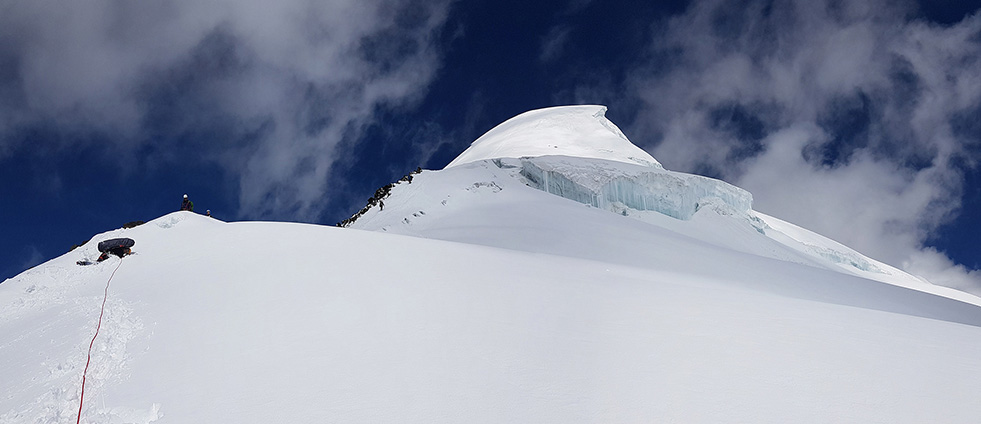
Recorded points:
612,186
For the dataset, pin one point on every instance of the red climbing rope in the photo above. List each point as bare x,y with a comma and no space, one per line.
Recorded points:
81,398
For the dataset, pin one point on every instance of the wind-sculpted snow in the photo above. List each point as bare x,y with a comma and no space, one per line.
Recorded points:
579,131
615,186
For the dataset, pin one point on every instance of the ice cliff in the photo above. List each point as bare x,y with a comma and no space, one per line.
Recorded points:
617,187
576,153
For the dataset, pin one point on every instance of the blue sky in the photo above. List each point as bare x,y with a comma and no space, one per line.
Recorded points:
858,120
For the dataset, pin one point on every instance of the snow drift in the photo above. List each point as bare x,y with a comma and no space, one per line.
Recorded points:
511,286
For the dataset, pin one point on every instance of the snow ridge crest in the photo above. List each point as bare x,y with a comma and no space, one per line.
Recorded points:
578,131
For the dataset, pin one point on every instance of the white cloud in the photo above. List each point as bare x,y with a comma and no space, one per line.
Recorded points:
940,270
31,257
277,84
836,115
576,6
554,43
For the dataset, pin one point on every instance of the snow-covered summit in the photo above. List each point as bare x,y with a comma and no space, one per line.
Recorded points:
576,153
543,287
580,131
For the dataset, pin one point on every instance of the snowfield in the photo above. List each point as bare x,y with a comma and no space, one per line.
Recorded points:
476,294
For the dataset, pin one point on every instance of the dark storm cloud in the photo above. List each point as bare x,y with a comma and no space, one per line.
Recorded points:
849,118
265,90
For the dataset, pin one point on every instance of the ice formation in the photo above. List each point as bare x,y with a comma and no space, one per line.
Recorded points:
615,186
576,153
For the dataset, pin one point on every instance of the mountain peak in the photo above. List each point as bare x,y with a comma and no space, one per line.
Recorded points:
580,131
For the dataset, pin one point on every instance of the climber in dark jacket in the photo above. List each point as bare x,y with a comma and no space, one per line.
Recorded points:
187,204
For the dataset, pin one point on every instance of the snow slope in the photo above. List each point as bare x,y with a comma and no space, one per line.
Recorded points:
480,297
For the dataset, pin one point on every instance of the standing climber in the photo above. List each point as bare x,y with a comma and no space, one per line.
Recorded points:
187,204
